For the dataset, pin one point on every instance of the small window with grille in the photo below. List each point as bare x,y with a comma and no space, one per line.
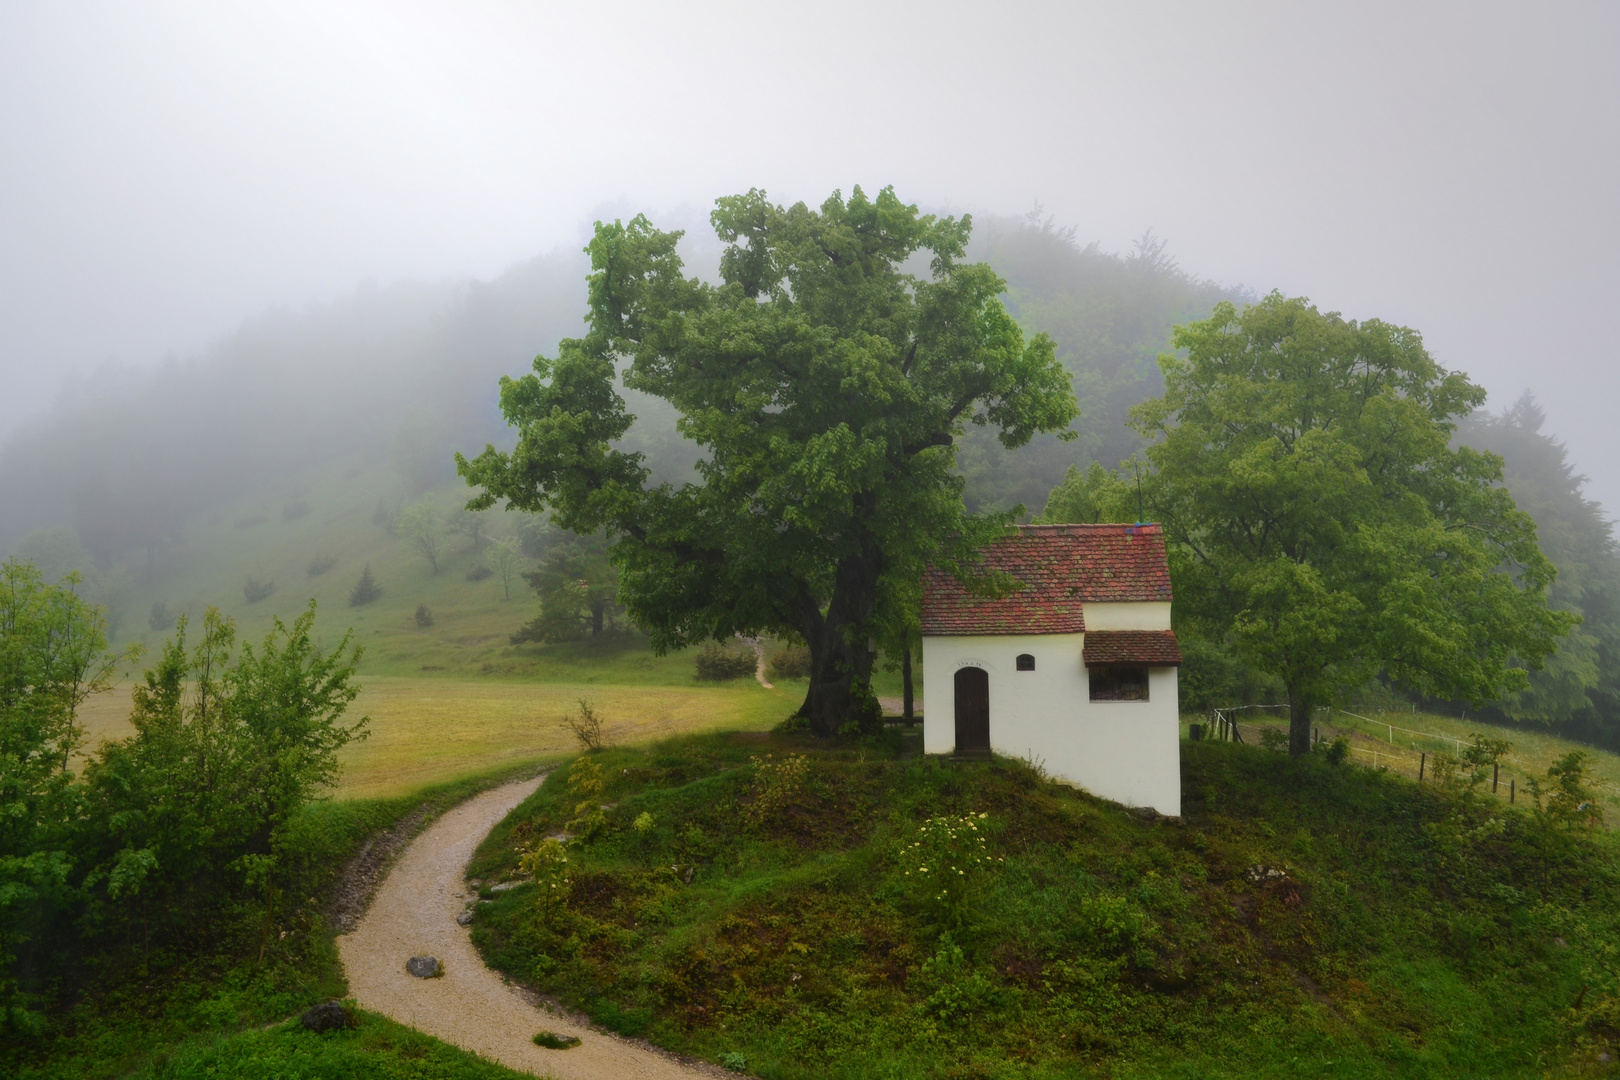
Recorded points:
1026,662
1115,682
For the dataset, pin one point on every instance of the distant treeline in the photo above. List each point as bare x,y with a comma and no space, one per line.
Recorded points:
1579,691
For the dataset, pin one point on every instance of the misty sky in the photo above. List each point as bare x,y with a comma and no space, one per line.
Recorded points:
167,169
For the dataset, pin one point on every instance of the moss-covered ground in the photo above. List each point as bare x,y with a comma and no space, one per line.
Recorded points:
1303,918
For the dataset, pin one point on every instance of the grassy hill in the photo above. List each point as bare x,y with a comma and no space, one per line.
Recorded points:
1304,918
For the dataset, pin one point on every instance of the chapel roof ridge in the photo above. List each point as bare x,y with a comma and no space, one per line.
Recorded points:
1092,529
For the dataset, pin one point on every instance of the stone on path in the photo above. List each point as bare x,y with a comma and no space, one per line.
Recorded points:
423,967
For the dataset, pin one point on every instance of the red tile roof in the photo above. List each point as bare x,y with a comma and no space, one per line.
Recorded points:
1058,568
1155,648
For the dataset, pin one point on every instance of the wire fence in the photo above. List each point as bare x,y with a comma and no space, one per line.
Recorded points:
1402,757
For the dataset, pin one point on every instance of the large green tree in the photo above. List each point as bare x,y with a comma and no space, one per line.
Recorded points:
1321,519
827,385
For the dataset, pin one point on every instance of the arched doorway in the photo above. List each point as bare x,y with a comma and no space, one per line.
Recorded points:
972,711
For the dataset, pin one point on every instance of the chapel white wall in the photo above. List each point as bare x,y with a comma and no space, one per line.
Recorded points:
1128,615
1128,751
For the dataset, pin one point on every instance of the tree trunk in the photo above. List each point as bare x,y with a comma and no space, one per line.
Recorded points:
840,660
1299,722
905,681
596,619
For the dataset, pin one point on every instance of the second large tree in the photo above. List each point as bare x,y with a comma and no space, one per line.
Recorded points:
828,386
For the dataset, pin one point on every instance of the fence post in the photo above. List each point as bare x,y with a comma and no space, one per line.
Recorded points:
1496,768
1422,760
1510,789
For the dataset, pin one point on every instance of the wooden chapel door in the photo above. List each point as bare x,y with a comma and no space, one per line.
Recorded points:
972,711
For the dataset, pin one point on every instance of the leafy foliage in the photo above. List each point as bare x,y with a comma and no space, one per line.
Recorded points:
789,662
578,589
1579,688
828,387
718,663
52,659
1322,524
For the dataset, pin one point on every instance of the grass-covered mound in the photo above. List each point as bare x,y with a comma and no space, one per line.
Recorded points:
1304,918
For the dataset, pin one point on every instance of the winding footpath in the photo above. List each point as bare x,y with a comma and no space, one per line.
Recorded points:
470,1006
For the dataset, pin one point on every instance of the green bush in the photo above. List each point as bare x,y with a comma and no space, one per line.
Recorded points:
790,662
718,663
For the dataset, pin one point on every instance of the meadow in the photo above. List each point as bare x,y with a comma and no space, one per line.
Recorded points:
1405,741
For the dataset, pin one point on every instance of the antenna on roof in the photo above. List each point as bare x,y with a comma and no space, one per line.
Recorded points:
1139,513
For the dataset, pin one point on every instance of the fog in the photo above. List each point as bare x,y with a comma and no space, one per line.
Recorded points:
172,170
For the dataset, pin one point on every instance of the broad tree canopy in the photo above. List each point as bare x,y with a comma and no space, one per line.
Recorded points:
828,385
1320,516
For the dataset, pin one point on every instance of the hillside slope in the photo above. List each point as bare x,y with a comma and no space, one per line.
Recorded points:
1305,918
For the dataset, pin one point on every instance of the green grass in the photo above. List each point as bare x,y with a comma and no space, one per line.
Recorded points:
1408,932
376,1049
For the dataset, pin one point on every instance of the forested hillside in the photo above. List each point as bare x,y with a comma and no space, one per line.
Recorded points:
1579,691
146,482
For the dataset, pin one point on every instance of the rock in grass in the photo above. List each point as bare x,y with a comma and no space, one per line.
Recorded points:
328,1016
423,967
464,919
553,1041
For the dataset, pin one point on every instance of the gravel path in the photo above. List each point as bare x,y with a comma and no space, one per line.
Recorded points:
414,914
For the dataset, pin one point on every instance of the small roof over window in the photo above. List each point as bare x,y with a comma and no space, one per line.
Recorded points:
1148,648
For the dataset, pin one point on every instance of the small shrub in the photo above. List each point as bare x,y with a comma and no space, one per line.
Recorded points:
586,726
944,859
1337,751
384,516
957,992
365,590
256,590
424,616
294,510
776,783
321,565
161,618
585,786
547,864
718,663
734,1061
1568,802
479,573
643,824
790,662
1482,756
